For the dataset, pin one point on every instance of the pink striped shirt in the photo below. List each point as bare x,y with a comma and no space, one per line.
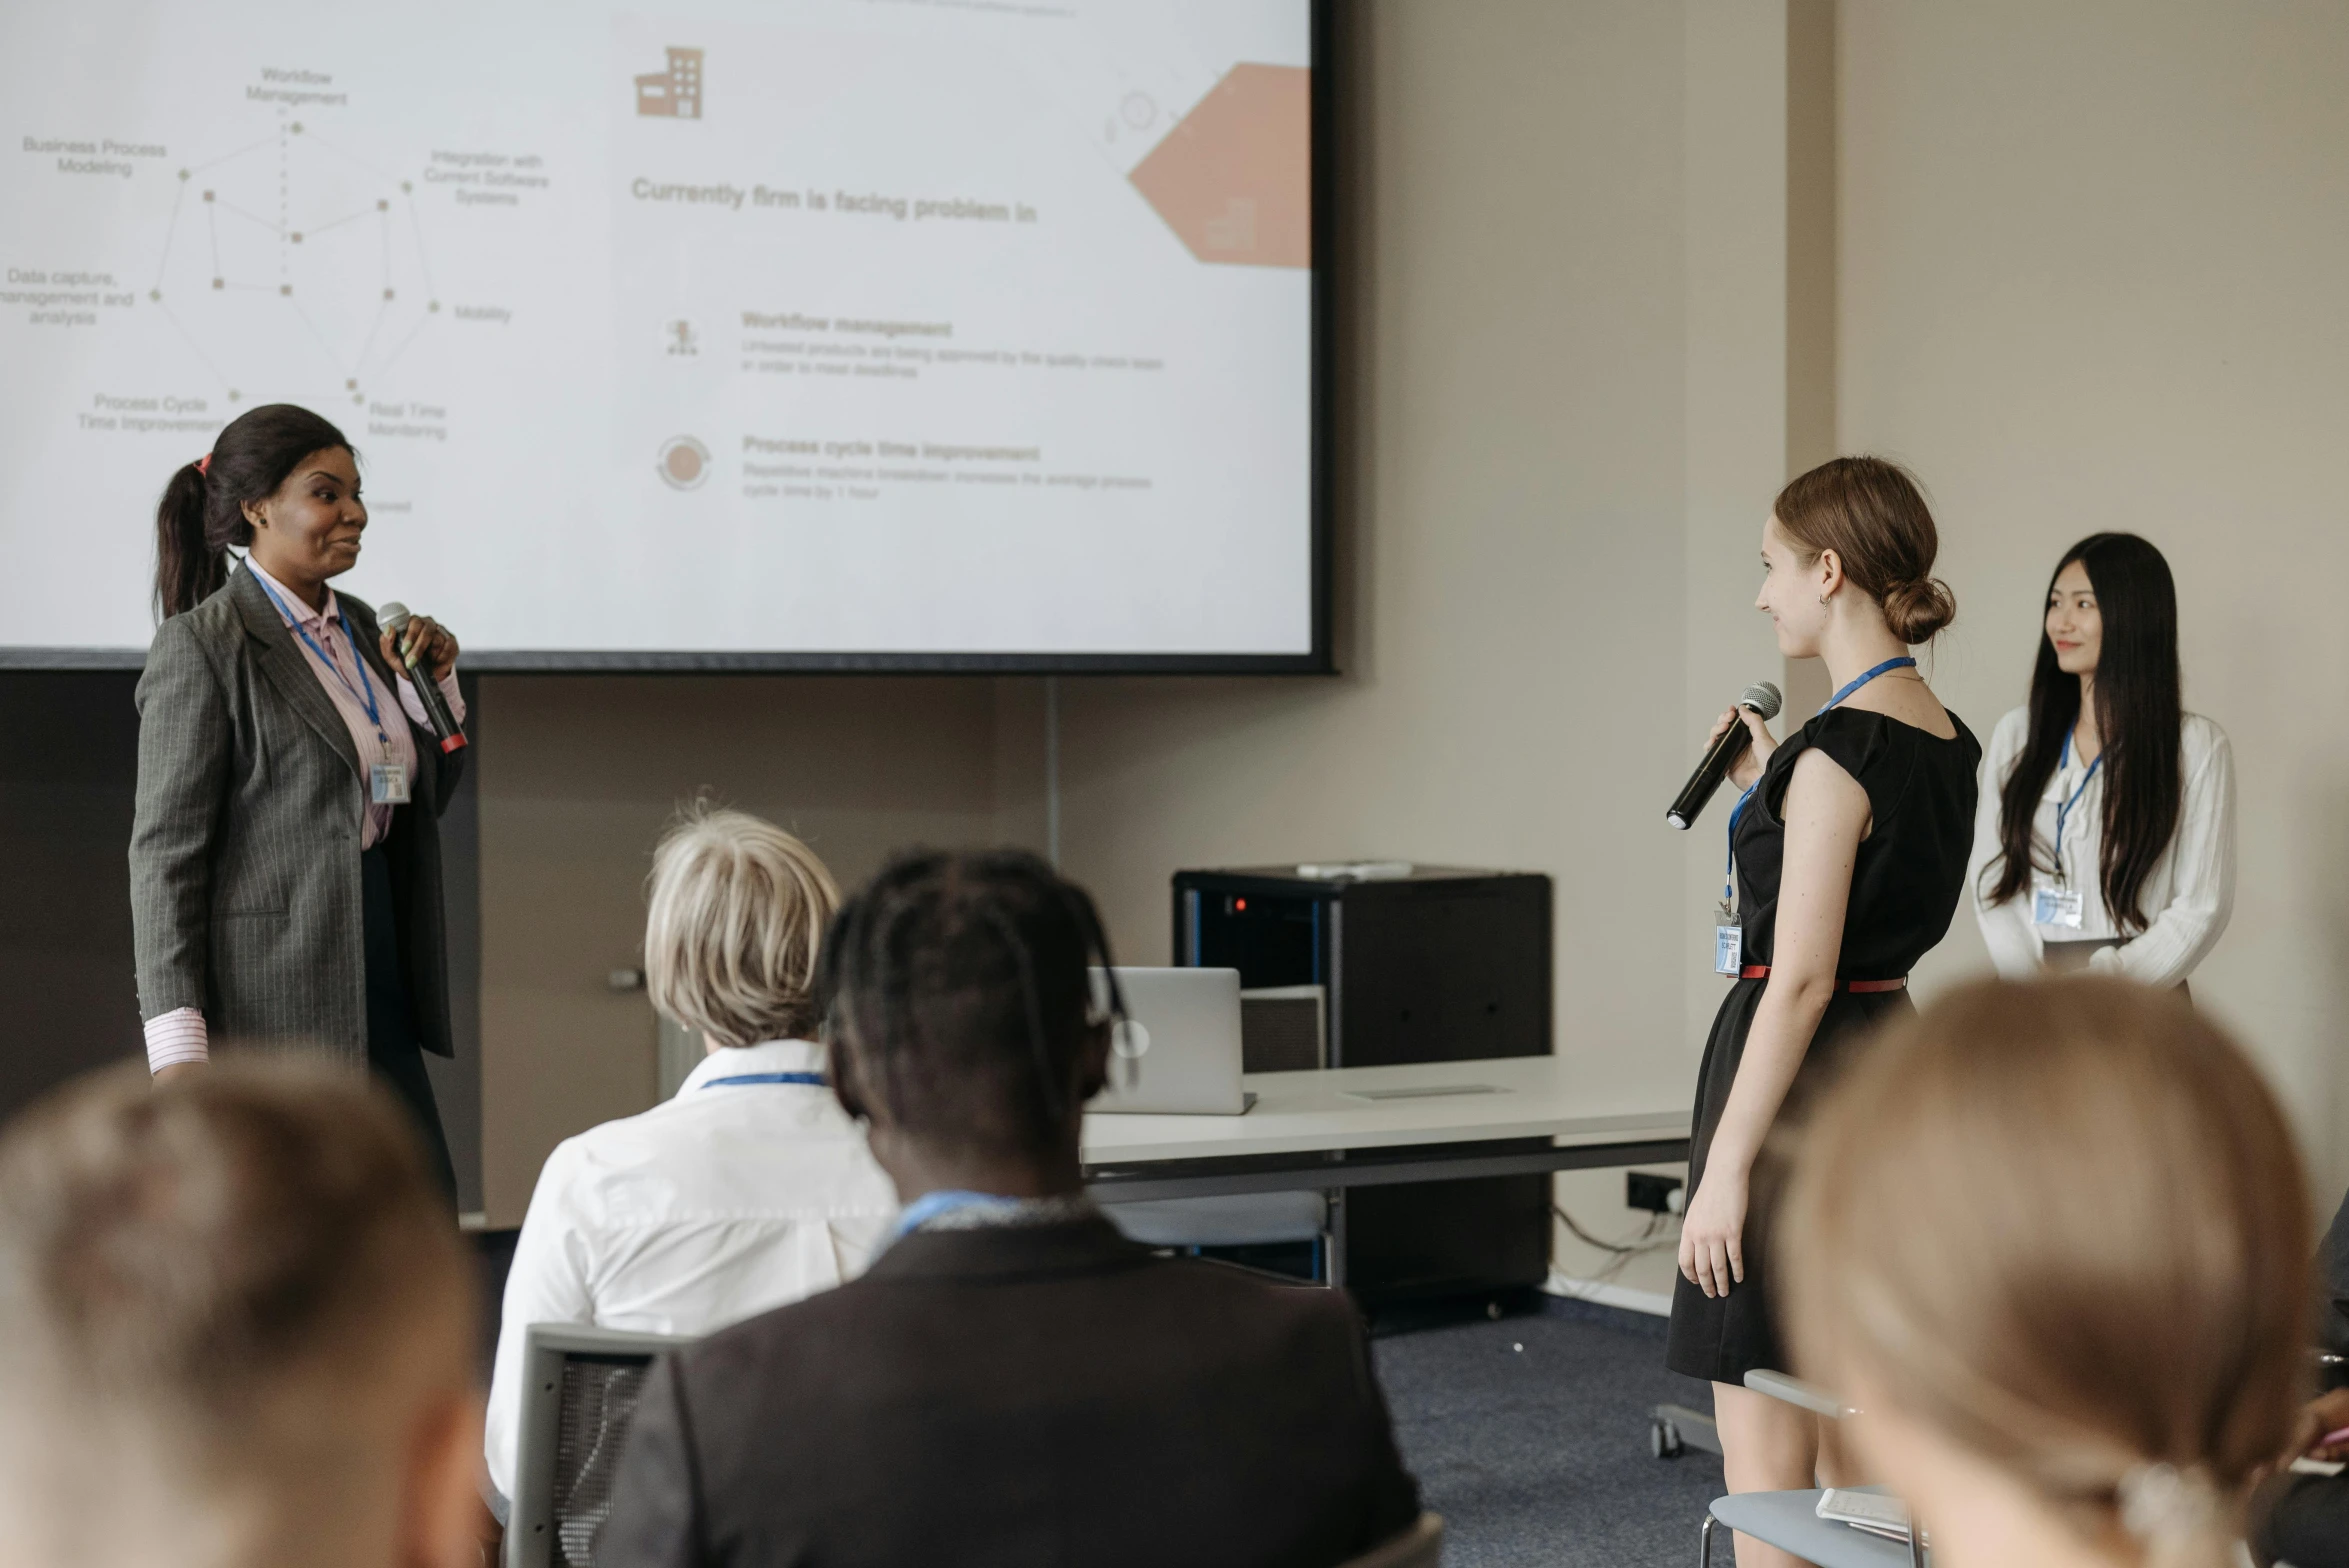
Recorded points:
179,1035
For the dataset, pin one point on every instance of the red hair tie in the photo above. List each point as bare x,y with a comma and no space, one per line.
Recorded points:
204,464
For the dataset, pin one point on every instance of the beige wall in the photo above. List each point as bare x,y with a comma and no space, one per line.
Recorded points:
2092,267
578,777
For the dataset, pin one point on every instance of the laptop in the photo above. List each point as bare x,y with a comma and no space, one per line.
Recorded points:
1178,1052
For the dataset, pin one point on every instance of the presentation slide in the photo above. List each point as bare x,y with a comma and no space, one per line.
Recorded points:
862,328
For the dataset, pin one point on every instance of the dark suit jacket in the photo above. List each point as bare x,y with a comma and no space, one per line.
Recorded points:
2332,1270
244,857
1054,1395
2304,1519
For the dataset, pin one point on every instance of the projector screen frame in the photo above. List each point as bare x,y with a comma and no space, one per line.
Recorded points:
1319,659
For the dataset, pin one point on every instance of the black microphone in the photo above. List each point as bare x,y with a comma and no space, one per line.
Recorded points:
1722,755
394,617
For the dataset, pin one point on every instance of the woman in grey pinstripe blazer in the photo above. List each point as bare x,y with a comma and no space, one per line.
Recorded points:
285,848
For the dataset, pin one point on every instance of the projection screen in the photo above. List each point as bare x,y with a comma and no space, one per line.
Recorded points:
796,334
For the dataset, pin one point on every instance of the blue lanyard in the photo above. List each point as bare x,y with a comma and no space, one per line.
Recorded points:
815,1079
946,1200
2064,810
365,690
1729,867
1729,871
1857,681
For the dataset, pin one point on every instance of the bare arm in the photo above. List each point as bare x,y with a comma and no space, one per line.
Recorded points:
1827,814
2006,928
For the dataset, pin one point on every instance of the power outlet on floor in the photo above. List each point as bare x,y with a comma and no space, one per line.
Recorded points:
1653,1193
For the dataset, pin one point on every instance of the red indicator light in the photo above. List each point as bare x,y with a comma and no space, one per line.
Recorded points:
1239,903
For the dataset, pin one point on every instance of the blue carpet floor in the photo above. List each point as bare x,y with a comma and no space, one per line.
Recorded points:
1538,1457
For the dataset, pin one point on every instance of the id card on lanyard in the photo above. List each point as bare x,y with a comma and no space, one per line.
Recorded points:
1728,934
2062,905
387,782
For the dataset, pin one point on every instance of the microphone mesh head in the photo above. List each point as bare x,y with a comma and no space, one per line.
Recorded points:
391,615
1761,696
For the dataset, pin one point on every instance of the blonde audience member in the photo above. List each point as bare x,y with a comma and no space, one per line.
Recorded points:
235,1330
751,1187
2053,1243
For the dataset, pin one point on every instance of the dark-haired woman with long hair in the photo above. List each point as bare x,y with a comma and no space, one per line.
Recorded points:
2106,833
285,853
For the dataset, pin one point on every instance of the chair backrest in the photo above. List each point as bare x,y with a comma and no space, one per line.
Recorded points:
1794,1391
1421,1546
579,1391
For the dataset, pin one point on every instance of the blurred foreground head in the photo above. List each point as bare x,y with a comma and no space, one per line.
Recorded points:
2053,1240
235,1328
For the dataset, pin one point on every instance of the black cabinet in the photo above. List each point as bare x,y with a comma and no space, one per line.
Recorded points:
1436,964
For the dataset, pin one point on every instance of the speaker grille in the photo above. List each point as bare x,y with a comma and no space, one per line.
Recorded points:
1281,1030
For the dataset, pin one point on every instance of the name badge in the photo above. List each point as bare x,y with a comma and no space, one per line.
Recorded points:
1728,950
2056,906
387,785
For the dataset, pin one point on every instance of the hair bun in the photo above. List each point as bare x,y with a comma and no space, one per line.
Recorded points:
1917,611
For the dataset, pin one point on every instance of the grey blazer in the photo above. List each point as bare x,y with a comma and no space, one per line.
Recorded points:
244,853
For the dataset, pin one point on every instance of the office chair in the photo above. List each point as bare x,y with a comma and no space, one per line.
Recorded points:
579,1392
1790,1520
1248,1219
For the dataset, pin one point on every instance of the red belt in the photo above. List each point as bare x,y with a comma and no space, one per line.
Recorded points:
1856,987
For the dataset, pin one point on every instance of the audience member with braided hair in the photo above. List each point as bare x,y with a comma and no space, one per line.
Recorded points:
1012,1382
2052,1241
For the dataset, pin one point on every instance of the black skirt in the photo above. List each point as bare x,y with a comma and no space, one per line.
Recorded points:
1722,1338
392,1048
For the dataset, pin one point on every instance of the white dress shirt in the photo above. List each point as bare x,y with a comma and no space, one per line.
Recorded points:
717,1205
2186,898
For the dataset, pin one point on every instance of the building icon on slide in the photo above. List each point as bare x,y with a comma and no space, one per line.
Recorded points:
676,92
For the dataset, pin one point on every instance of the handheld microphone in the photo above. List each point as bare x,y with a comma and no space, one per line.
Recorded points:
395,618
1722,755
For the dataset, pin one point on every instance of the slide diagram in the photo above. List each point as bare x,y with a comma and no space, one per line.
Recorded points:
921,327
293,261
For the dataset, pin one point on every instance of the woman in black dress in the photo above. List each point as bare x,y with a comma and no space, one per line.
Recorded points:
1850,849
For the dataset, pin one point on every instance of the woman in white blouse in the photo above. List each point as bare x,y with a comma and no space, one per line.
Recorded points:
2106,834
749,1189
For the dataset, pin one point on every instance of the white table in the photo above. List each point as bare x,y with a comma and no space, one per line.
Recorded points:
1372,1126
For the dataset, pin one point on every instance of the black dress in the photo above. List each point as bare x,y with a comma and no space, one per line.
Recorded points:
1905,885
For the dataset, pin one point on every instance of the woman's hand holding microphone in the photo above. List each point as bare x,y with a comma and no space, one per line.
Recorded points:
1748,767
435,646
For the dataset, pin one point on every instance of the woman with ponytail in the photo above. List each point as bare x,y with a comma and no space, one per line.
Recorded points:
1848,851
285,852
2106,838
2051,1242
